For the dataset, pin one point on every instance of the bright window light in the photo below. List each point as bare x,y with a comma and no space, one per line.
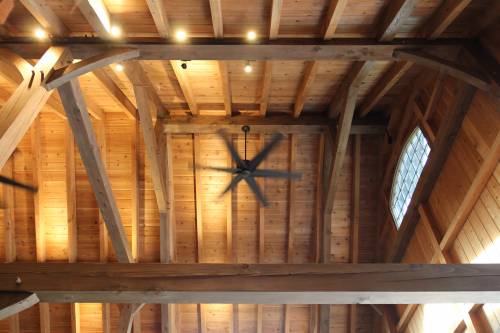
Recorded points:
408,171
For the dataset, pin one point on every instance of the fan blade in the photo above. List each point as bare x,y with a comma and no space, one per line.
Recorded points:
228,170
254,163
232,184
14,183
276,174
232,150
256,189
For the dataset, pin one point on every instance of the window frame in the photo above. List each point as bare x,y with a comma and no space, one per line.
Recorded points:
402,154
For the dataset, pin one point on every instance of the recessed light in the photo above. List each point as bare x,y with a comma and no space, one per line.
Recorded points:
119,67
251,36
116,31
248,68
40,34
181,35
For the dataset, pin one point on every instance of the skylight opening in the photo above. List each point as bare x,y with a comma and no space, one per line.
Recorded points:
408,171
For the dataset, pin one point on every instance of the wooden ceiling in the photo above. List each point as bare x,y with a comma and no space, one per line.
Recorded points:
207,228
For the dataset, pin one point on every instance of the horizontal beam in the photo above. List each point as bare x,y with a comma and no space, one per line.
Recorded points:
12,303
233,49
269,124
255,283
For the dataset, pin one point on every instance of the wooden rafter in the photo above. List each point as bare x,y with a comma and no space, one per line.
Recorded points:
97,16
305,85
42,12
159,14
25,103
255,283
332,18
79,120
216,12
392,20
274,25
226,87
443,17
234,49
384,84
6,7
116,93
183,80
265,89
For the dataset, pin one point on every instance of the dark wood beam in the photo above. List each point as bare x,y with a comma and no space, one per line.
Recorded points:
13,302
234,49
83,132
255,283
444,140
443,17
305,85
458,71
270,124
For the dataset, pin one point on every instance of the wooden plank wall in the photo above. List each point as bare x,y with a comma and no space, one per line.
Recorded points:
478,241
114,134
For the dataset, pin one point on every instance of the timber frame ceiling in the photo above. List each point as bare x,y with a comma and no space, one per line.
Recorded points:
325,72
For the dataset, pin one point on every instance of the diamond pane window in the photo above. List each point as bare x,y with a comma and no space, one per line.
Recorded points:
408,171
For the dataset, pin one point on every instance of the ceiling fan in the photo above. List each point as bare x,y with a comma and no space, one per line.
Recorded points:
247,170
11,182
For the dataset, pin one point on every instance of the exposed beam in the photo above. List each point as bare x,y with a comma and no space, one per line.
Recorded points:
6,7
9,214
444,140
72,71
274,25
470,76
305,85
183,80
217,23
149,134
79,120
395,14
443,17
23,106
226,87
233,48
270,124
13,302
383,86
265,89
115,92
42,12
198,197
100,133
349,90
159,14
127,314
256,283
36,177
97,15
71,195
332,19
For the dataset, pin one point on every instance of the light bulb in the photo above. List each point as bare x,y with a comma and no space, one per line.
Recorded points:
248,68
180,35
40,34
119,67
251,36
116,31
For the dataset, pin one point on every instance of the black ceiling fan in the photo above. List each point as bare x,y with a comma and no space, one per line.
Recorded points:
247,169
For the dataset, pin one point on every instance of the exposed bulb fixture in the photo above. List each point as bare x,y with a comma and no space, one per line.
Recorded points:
40,34
181,35
251,36
116,31
248,67
119,67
